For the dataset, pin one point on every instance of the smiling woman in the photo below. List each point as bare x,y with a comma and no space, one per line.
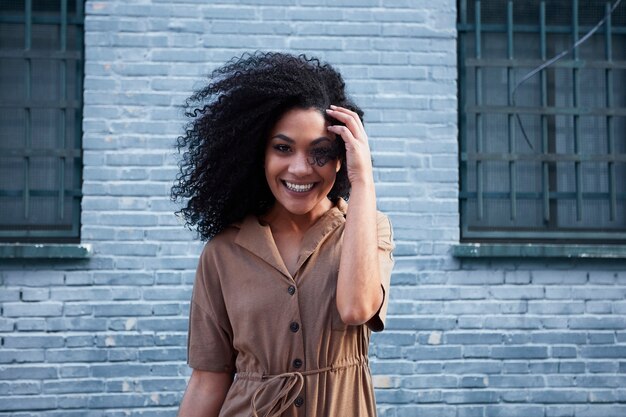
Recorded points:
231,119
293,279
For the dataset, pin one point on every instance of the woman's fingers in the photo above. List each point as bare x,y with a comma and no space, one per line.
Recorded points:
342,131
351,120
350,113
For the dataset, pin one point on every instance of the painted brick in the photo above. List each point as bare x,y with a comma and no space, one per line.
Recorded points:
616,351
431,353
470,397
481,338
27,341
30,325
39,309
72,386
19,388
8,356
556,307
599,322
32,294
29,402
601,338
514,411
519,352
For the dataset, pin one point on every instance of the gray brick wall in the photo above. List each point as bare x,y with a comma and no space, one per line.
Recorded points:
106,337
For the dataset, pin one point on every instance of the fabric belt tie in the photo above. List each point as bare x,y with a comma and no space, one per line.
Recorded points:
289,392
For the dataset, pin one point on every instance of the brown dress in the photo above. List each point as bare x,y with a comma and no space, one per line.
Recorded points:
280,334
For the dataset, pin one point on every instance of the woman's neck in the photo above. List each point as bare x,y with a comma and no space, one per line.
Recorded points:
283,221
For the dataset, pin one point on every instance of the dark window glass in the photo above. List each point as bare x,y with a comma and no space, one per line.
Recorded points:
548,163
41,73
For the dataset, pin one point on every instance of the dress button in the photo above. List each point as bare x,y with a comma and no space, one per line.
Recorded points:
294,327
291,290
299,402
297,363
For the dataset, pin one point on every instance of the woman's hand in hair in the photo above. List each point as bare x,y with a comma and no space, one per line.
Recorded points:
358,157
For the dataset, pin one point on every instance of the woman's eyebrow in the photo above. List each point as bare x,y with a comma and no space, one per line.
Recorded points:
289,140
283,137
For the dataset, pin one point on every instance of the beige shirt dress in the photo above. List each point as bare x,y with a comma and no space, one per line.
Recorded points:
279,332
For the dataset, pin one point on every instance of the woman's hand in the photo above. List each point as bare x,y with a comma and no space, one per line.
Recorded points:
358,157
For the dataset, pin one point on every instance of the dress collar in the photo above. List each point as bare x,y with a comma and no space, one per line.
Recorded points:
256,237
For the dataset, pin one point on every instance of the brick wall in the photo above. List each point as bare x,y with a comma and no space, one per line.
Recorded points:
106,337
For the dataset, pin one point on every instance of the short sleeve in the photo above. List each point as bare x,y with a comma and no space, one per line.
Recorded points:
385,262
209,343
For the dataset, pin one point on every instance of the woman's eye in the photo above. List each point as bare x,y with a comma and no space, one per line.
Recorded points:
282,148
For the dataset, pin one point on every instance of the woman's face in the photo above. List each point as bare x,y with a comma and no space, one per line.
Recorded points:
298,177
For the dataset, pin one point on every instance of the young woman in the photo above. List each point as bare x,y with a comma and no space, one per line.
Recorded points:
293,278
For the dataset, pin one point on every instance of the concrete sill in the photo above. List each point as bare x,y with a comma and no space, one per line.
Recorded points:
533,250
44,251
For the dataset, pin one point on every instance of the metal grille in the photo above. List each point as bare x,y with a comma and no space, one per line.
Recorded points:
41,73
565,179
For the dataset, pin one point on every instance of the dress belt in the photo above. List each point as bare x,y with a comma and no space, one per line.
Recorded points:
294,379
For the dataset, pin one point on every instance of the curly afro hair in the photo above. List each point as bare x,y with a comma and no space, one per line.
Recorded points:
221,174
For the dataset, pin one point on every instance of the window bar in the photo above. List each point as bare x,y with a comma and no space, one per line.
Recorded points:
479,117
510,80
63,110
609,118
545,175
462,103
27,119
576,116
78,116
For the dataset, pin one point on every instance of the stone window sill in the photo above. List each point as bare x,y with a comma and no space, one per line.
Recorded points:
534,250
44,251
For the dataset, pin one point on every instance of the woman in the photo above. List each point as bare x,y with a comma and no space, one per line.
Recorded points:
293,278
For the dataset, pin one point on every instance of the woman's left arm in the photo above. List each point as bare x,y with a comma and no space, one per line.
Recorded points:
359,290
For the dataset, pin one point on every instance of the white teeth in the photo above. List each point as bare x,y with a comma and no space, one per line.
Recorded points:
299,188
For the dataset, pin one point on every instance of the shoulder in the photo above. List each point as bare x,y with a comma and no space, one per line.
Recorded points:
221,242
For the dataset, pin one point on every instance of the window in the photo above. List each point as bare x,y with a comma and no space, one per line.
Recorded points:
548,163
41,73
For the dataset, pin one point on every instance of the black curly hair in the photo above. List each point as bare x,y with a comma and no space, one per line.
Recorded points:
221,174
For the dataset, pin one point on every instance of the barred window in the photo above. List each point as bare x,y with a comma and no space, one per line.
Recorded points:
41,74
548,163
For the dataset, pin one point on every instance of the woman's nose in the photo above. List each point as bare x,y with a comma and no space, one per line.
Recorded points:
300,165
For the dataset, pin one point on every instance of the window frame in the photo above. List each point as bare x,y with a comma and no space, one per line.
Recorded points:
546,157
66,156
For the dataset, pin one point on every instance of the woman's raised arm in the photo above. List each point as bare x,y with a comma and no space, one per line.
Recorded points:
359,291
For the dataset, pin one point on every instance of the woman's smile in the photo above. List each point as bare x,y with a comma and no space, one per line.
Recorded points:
298,188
